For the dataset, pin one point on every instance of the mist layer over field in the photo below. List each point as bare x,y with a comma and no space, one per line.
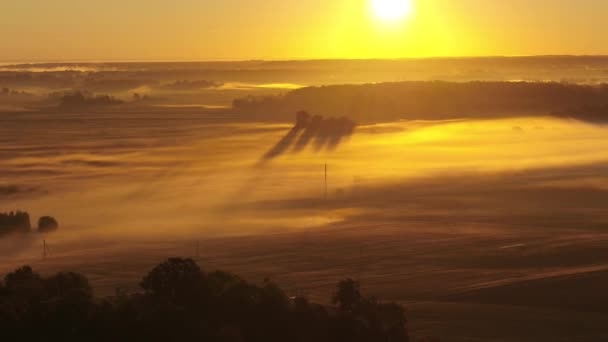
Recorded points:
149,178
162,171
486,216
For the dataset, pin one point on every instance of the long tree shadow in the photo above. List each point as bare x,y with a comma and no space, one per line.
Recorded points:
332,132
283,144
311,131
321,133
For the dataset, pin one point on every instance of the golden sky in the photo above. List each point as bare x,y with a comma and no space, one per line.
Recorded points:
38,30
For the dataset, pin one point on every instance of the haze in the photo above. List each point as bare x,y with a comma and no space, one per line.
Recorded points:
63,30
312,171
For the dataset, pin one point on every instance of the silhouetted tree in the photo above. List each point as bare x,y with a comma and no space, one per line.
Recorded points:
62,284
182,303
24,282
79,99
302,119
15,222
191,85
47,224
176,279
348,296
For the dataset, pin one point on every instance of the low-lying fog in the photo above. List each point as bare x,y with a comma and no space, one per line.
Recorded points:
464,218
497,216
149,177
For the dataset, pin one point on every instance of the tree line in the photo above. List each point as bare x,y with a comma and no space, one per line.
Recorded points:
19,222
436,100
180,302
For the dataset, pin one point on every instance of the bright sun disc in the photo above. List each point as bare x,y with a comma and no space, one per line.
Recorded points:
391,10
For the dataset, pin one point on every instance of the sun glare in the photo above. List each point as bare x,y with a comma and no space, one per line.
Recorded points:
392,10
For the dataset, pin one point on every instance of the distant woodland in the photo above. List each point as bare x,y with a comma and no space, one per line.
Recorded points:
79,99
436,101
563,86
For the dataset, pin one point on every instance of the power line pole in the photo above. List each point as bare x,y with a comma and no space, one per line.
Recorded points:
44,250
326,181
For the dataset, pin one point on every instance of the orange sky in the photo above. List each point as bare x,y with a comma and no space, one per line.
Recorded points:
38,30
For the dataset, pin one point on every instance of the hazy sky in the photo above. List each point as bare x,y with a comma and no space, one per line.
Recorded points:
282,29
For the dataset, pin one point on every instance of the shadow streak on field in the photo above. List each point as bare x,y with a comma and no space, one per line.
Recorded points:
283,144
528,241
570,197
313,130
484,245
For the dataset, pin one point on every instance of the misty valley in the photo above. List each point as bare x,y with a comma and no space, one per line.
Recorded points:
466,195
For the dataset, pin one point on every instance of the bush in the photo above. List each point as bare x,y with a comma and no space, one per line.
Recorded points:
47,224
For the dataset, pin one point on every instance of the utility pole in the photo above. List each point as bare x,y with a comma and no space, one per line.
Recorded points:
326,181
44,250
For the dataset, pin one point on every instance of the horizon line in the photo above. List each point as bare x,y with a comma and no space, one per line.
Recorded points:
4,63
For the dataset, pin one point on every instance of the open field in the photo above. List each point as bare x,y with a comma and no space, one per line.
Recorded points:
304,171
481,236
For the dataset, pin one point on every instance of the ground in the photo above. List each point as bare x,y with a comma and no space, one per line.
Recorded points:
482,238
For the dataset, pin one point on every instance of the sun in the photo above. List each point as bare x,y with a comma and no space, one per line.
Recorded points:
392,10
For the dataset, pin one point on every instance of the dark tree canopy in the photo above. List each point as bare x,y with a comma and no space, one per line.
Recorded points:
80,99
348,297
47,224
434,100
23,281
173,277
19,222
180,302
14,222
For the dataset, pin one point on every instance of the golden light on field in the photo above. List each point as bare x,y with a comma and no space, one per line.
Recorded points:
392,10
